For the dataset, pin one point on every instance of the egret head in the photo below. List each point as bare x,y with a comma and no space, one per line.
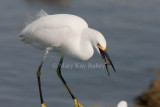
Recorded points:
122,104
98,42
101,47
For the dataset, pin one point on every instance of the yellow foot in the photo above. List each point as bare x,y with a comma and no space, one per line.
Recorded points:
43,105
76,103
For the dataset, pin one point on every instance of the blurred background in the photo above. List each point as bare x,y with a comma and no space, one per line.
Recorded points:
132,31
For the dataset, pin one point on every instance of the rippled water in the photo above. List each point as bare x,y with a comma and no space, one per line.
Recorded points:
132,30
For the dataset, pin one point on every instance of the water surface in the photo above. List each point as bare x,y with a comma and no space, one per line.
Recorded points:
131,29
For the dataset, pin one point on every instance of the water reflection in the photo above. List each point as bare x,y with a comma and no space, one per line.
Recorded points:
62,3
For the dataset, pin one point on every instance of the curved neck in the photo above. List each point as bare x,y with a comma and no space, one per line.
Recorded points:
86,44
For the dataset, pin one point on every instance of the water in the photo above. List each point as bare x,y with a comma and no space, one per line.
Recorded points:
132,32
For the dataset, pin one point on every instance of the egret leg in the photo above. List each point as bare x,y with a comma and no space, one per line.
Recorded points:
77,104
39,81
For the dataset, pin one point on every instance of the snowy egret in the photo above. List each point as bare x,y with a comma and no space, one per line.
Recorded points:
69,36
122,104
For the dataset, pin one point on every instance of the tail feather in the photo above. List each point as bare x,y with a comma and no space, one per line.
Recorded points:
21,35
25,40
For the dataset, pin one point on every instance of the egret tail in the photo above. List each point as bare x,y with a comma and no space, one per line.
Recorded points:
77,104
39,81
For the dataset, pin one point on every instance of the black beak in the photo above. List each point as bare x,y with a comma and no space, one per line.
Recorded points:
105,55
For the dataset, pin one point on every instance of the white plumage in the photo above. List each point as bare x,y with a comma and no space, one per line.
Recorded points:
122,104
66,34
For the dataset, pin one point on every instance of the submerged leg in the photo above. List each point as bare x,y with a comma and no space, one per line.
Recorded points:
77,104
39,81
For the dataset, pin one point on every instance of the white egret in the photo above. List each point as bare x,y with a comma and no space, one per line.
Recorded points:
69,36
122,104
